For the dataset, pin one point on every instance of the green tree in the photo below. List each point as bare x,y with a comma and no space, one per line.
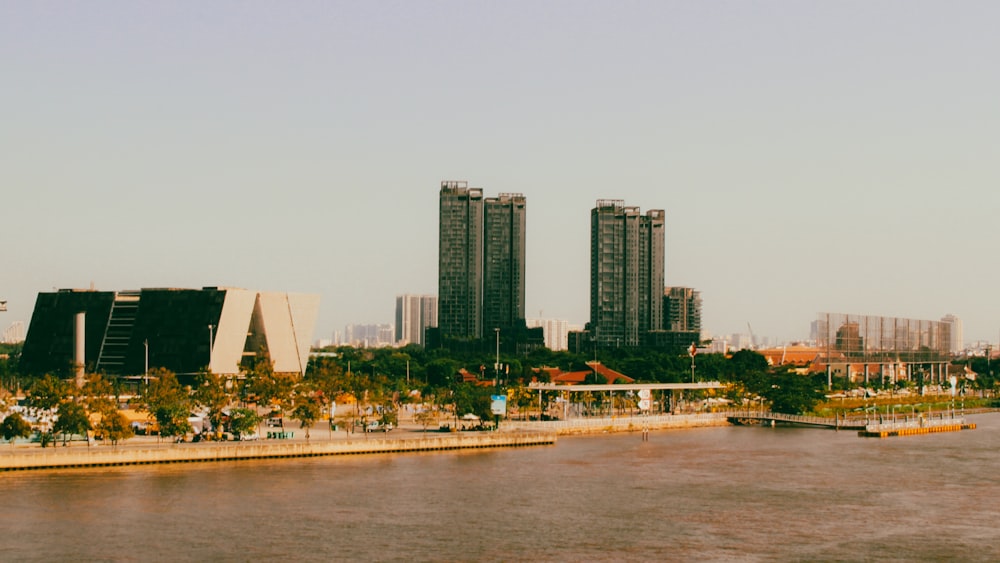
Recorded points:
211,394
273,390
792,394
14,427
243,422
168,402
72,419
307,412
47,392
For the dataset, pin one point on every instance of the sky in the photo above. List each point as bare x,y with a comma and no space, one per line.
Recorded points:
810,156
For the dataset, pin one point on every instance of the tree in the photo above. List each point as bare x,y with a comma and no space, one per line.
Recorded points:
168,402
114,427
72,419
46,393
272,389
792,394
97,393
307,412
426,417
14,427
211,393
243,422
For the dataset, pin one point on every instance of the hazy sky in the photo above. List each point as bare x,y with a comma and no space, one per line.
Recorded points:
810,156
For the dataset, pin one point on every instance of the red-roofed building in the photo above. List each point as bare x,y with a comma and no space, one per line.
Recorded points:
556,375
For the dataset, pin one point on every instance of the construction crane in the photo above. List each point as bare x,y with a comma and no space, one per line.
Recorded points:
753,340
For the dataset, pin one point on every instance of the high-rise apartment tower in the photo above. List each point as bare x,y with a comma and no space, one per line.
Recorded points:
503,262
460,261
626,273
681,309
481,250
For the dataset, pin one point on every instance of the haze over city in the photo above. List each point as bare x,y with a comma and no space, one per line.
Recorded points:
809,157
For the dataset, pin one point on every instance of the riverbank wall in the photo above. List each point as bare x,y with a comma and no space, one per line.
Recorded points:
102,456
607,425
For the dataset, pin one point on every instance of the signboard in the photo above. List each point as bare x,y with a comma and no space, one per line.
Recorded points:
645,404
645,393
498,404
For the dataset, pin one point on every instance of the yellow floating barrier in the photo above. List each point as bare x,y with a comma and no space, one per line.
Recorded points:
916,431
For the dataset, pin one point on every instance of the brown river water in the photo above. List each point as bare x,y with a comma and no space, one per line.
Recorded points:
712,494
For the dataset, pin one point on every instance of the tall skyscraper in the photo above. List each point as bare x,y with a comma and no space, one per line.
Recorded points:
503,262
681,309
480,262
414,313
460,261
626,273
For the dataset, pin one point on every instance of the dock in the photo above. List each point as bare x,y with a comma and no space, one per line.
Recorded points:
105,455
893,430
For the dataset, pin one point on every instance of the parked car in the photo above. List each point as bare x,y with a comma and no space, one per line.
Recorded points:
375,426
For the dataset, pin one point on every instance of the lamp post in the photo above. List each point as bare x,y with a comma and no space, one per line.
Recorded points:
146,377
211,339
692,350
496,366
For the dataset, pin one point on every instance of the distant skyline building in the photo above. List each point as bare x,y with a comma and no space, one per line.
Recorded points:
626,273
956,345
414,314
681,309
556,332
368,336
460,261
503,262
14,334
481,262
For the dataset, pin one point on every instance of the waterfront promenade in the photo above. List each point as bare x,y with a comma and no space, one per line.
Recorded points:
149,452
612,424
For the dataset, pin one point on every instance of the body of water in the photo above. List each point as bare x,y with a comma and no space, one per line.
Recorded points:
727,494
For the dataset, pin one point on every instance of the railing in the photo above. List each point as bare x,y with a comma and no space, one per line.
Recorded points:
922,421
836,422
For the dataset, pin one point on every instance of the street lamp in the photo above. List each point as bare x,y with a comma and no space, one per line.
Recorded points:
496,366
211,339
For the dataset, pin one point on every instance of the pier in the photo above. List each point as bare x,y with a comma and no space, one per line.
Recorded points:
774,418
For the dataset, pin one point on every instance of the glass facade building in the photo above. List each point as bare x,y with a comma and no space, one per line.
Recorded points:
503,262
626,273
460,261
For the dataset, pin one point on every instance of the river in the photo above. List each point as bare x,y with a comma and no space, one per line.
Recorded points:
719,494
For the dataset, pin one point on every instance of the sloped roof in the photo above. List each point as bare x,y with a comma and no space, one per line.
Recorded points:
556,375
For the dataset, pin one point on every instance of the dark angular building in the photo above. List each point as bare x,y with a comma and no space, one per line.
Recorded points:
183,330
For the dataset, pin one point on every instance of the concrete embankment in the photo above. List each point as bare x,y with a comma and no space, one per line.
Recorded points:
53,458
607,425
